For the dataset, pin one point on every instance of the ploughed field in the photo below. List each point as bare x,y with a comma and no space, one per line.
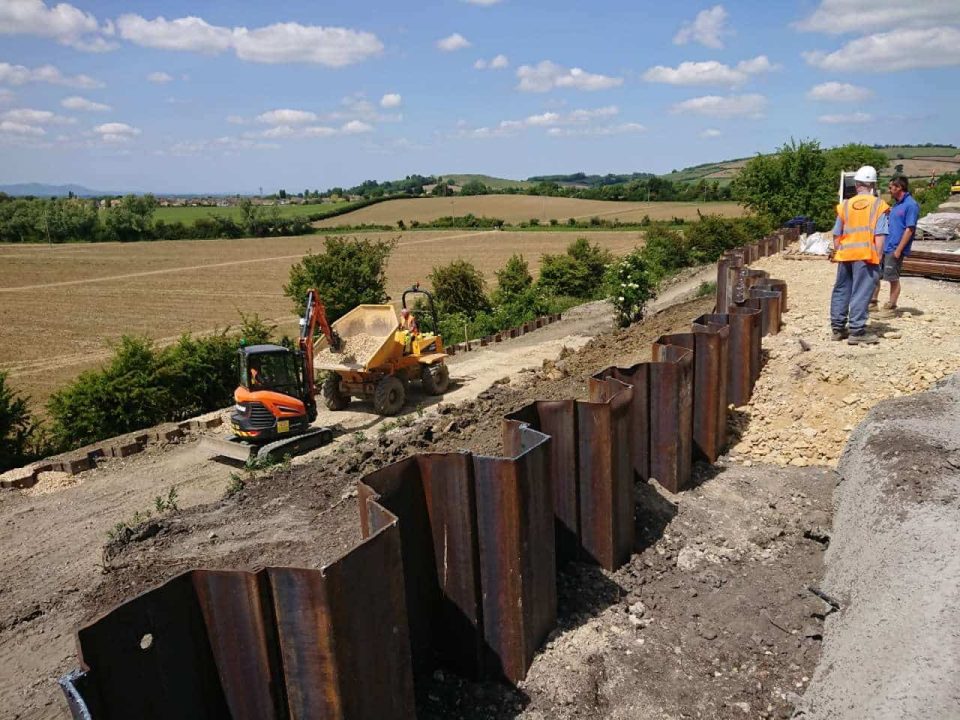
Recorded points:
518,208
61,306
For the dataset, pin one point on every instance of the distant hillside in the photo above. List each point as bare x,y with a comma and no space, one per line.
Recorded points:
919,161
43,190
590,181
491,182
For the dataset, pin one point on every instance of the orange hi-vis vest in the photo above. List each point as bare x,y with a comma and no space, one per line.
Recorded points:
859,216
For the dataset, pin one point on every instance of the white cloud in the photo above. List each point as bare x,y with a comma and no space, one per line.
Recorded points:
621,129
225,145
391,100
75,102
904,49
710,72
707,28
6,96
21,75
116,132
16,128
29,116
575,122
453,42
187,33
547,75
483,3
287,117
356,126
292,42
842,16
62,22
839,92
498,62
751,105
856,118
236,120
711,133
160,78
278,43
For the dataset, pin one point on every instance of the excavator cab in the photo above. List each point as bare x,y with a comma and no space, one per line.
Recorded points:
271,399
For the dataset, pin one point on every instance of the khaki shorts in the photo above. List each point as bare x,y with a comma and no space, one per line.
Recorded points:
890,267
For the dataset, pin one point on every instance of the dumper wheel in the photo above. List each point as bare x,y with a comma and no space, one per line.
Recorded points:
333,397
435,378
389,396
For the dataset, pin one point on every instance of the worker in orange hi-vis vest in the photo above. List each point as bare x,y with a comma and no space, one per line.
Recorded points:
858,238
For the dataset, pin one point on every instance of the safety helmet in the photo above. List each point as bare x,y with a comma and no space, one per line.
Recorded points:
866,174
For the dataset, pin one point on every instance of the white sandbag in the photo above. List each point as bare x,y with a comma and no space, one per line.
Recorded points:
816,243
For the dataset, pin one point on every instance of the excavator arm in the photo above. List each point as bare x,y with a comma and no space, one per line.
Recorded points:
314,315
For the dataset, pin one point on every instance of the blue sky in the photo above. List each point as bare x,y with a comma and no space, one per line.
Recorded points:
233,96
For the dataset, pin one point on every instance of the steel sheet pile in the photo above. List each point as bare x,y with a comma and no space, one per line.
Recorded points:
458,562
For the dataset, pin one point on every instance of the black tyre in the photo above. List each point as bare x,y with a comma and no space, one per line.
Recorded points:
333,397
435,378
389,396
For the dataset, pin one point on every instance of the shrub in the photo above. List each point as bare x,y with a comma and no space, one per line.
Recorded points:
19,433
349,272
124,396
630,287
514,278
459,288
708,239
578,273
665,252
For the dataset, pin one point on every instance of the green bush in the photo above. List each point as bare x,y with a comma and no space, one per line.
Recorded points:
708,239
800,179
20,435
665,251
577,273
126,395
349,272
459,288
514,278
630,287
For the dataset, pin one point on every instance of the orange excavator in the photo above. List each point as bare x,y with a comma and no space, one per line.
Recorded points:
275,400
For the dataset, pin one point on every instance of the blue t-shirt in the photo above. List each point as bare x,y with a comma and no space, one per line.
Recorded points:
903,215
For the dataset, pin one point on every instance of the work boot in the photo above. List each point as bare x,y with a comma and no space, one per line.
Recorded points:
840,334
863,338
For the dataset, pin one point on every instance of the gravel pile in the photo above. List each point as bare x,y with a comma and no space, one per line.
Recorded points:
356,350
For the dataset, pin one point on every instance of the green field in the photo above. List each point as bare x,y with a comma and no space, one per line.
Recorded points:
895,151
189,215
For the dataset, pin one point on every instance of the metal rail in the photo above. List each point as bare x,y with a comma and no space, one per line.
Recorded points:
457,566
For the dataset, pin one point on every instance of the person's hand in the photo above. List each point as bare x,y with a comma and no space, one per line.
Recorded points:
897,253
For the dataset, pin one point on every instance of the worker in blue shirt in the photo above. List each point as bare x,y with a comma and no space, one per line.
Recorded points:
902,226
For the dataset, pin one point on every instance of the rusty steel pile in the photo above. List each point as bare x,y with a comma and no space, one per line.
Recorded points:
458,563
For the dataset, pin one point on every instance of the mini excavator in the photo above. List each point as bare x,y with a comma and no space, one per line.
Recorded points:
275,400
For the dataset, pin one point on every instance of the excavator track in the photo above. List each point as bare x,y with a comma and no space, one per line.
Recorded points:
296,445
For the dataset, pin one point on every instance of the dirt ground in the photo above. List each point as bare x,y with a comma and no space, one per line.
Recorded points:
519,208
140,289
711,618
807,402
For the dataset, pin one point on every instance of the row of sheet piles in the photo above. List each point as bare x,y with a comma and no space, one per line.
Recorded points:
266,645
457,566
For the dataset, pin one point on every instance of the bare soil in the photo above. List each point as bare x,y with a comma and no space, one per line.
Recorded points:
164,289
721,612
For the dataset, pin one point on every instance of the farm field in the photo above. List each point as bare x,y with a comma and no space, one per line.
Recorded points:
189,215
61,305
517,208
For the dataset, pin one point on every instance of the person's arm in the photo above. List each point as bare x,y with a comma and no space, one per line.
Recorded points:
912,215
881,231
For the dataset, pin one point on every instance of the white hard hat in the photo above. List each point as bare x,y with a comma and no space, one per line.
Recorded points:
866,174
